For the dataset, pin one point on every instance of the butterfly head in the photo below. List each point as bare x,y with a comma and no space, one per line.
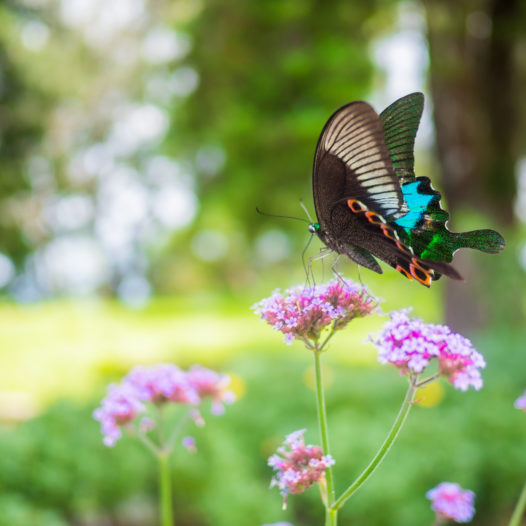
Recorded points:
314,228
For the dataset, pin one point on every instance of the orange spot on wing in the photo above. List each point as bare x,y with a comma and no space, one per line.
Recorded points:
420,265
420,274
356,206
403,248
389,232
374,218
404,272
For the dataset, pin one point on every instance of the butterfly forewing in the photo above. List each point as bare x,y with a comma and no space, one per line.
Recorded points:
352,161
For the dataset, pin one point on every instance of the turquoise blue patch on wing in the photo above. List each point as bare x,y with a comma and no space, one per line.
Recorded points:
417,204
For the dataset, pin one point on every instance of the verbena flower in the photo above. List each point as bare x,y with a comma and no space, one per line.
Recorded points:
120,407
520,403
209,384
411,345
303,313
162,383
158,385
451,502
297,465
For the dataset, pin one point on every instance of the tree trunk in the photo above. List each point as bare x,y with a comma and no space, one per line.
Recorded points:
474,89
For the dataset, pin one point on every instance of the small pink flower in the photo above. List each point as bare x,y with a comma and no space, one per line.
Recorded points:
158,385
162,383
304,313
451,502
520,403
411,345
298,466
119,408
209,384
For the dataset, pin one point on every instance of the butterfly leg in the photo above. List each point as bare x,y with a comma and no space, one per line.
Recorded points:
339,277
324,252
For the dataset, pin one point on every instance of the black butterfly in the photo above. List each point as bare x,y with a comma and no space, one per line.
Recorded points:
369,203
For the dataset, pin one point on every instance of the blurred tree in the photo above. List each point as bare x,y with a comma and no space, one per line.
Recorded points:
476,69
23,113
270,75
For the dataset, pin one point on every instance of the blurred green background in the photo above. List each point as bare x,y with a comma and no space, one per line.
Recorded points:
136,139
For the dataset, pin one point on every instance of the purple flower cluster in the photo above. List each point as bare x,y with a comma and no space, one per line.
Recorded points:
304,313
451,502
298,466
410,345
520,403
158,385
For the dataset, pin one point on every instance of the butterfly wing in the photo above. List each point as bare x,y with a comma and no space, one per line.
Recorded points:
400,123
352,161
424,228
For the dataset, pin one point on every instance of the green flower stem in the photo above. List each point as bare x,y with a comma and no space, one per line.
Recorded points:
330,518
378,458
519,509
165,490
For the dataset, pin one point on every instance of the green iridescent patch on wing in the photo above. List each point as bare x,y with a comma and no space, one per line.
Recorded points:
400,122
424,227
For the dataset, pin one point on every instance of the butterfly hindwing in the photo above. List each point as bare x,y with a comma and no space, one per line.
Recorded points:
382,240
424,226
400,122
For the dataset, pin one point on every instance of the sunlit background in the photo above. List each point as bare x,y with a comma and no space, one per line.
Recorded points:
137,138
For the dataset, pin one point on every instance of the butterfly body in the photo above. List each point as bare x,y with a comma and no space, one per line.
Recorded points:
370,204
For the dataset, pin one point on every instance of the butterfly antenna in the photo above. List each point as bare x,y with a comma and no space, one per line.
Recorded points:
306,211
282,217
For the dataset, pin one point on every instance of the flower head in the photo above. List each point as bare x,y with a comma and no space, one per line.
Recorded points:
520,403
410,345
298,466
209,384
451,502
158,385
303,313
162,383
120,407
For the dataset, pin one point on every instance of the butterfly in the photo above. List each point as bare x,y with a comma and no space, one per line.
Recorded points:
369,203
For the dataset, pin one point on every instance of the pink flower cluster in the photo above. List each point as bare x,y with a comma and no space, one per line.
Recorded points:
520,403
304,313
451,502
158,385
410,345
298,466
